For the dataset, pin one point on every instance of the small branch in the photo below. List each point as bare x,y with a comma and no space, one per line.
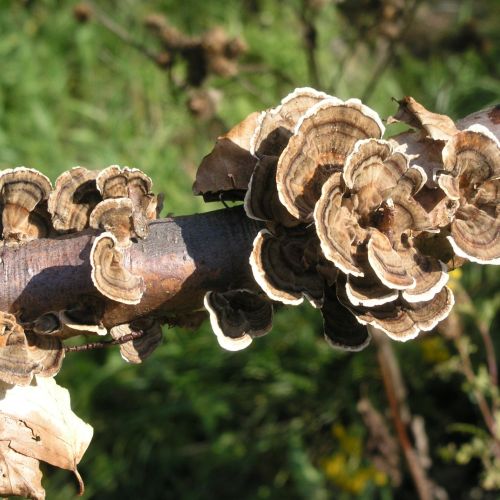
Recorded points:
104,343
392,380
107,23
309,34
390,51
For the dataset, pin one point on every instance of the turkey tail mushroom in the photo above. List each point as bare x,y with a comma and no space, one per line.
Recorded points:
21,190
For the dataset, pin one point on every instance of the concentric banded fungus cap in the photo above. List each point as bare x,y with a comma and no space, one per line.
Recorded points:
471,175
74,197
341,329
22,356
116,182
276,125
109,275
371,204
238,316
281,270
115,215
402,320
225,172
21,190
433,125
137,350
47,353
261,199
322,139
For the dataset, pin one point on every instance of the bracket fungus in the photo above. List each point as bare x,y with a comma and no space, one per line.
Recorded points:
238,316
471,175
137,350
322,139
117,182
109,275
74,197
338,203
280,266
21,190
22,355
115,216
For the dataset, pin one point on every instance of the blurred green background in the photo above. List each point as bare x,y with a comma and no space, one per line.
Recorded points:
281,419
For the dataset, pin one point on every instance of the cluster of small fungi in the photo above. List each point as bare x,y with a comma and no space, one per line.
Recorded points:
117,201
365,229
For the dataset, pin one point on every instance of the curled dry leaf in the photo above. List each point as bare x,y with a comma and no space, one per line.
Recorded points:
37,424
435,126
225,172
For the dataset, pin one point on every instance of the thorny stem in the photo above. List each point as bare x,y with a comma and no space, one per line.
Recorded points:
104,343
386,359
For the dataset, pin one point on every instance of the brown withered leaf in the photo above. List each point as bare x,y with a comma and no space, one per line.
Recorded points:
19,474
434,125
37,422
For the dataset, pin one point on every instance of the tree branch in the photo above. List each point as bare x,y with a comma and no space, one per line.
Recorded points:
182,259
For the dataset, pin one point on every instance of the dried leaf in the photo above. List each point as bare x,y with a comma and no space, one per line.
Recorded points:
19,474
37,422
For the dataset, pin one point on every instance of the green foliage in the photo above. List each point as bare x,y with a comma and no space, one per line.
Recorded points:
194,422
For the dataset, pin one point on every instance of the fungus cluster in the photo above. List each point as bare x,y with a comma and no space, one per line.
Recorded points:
117,202
365,229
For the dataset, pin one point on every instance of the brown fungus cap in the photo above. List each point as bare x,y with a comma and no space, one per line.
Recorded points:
137,350
115,215
109,275
341,329
276,125
322,139
74,197
402,320
279,267
46,352
225,172
21,190
471,175
433,125
238,316
369,209
24,355
117,182
261,199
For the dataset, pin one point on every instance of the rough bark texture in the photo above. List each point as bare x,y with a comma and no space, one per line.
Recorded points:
182,258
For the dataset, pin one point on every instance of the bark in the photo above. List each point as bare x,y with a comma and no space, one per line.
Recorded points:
182,258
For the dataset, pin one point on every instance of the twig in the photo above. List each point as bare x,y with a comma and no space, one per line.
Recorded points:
392,379
105,343
121,33
390,52
310,42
